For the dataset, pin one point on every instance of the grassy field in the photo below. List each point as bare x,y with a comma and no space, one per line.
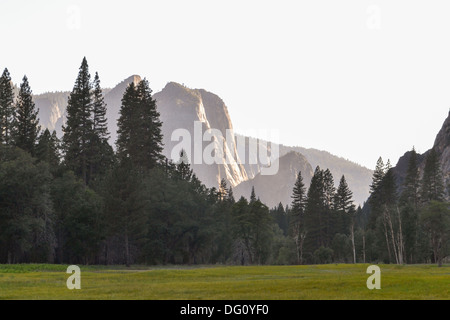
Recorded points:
342,281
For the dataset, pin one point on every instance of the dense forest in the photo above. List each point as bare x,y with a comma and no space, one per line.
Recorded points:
78,200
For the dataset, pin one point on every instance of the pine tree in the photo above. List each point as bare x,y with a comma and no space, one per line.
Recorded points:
47,148
361,231
27,123
296,221
253,195
280,217
127,125
378,175
230,196
223,190
242,229
432,187
391,214
139,128
344,196
298,196
261,235
222,226
101,153
183,167
329,189
314,220
376,198
329,217
7,113
100,123
346,211
139,147
409,202
410,194
388,186
151,137
343,205
79,125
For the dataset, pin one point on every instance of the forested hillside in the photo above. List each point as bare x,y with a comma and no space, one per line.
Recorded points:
78,200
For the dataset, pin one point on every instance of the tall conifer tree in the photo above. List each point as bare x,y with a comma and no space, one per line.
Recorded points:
253,195
26,123
411,186
100,123
150,137
127,126
101,153
78,128
314,220
329,217
47,148
345,209
375,200
139,128
6,108
298,196
410,201
297,220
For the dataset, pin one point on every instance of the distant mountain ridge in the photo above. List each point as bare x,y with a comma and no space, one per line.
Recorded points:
277,188
181,108
358,177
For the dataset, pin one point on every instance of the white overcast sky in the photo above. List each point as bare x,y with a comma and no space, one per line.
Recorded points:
360,79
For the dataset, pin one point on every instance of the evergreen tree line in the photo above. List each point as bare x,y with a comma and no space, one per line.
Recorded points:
77,201
407,226
411,225
321,223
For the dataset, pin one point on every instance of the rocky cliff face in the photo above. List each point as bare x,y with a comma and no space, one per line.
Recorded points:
52,107
187,114
442,147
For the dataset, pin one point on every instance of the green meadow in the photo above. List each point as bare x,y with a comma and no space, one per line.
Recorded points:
332,281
